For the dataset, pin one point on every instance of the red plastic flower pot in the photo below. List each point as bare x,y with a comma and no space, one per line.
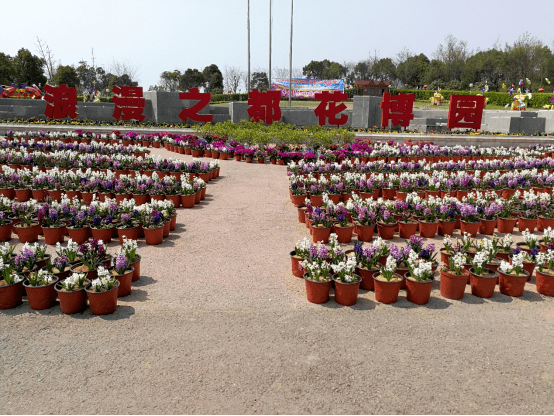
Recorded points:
483,286
365,232
23,195
452,285
428,229
487,227
418,292
11,295
317,292
154,236
407,229
124,280
387,292
472,228
102,303
167,225
74,301
321,234
40,297
140,199
545,283
187,201
53,235
446,227
130,233
506,225
27,234
295,262
176,199
104,234
6,231
136,268
344,234
526,224
346,294
512,285
316,200
386,231
367,278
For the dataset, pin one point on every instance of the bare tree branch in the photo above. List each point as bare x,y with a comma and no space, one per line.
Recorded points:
48,58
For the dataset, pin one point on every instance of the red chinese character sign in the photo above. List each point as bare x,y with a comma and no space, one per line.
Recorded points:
129,103
328,109
465,111
264,106
399,109
62,101
192,112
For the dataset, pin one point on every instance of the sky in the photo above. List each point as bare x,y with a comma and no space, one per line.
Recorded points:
164,35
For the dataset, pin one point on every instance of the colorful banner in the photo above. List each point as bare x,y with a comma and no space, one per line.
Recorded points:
305,87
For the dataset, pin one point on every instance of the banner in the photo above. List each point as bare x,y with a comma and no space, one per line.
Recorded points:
305,87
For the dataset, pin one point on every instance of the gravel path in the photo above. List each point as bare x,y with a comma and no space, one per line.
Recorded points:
218,324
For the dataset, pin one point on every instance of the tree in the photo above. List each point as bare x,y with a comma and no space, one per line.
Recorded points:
169,81
324,69
66,75
334,71
233,76
214,79
283,73
259,81
192,78
454,55
86,75
28,68
435,74
484,66
383,69
48,58
362,71
412,71
121,68
7,69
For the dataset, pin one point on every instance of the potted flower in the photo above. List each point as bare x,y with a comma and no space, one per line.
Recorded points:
78,227
347,283
489,218
406,225
130,248
27,229
5,227
60,267
101,229
92,256
365,223
387,282
54,231
321,225
127,227
71,293
40,289
506,222
470,221
428,223
504,246
386,224
454,277
368,259
300,252
482,279
544,273
123,273
447,219
512,276
317,279
102,293
153,227
187,195
529,215
11,286
342,227
529,241
419,279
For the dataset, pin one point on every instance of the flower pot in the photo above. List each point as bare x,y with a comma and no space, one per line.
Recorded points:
74,301
38,194
316,200
298,200
418,292
295,261
130,233
445,256
119,198
301,214
187,201
176,199
483,286
472,228
154,236
526,224
511,285
40,297
365,232
140,199
87,197
317,292
23,195
197,197
79,235
487,227
104,234
407,229
508,193
173,222
506,225
389,194
102,303
6,231
367,278
54,235
446,227
124,280
78,267
136,267
346,294
321,234
543,223
11,295
544,282
344,234
387,292
27,234
452,285
166,228
386,231
428,229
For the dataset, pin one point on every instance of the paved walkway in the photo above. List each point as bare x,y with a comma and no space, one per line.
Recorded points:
218,324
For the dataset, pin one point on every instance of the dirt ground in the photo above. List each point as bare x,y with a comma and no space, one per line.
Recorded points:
218,324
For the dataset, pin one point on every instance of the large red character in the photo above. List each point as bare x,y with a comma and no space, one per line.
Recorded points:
129,103
324,113
264,106
465,111
62,101
399,109
192,112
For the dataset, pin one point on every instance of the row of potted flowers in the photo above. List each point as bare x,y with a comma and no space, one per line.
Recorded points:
386,269
78,273
78,136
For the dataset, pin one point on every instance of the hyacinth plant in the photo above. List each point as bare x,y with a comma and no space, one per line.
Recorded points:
74,282
420,269
530,240
130,248
516,267
545,262
41,278
479,262
426,253
9,276
6,251
336,252
104,282
469,213
505,244
455,264
102,223
301,249
79,220
367,257
70,251
345,270
93,253
121,264
316,271
389,270
321,217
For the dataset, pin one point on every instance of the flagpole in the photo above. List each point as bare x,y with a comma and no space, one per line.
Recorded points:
290,56
270,23
248,21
